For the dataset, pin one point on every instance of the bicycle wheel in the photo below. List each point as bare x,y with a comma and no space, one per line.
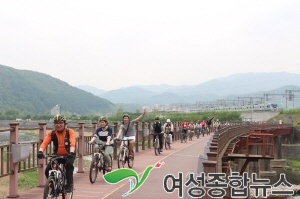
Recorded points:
111,161
50,190
94,168
156,147
101,165
104,169
121,159
167,143
130,162
68,195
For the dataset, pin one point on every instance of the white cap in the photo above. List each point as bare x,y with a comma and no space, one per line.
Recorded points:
168,120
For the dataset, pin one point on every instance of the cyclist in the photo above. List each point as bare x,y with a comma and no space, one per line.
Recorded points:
184,127
103,135
168,127
191,130
127,130
209,123
64,142
198,127
158,131
204,127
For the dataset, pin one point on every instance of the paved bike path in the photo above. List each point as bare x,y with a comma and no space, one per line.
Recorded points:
183,157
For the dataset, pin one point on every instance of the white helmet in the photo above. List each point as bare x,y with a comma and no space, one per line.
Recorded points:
168,120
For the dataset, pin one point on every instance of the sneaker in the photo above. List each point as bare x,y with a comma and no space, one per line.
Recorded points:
68,188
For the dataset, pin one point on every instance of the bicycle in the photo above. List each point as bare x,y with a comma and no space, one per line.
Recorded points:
55,184
183,136
167,141
156,144
197,131
191,134
98,163
123,155
203,131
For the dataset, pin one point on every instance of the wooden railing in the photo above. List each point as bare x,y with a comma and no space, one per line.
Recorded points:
8,168
221,140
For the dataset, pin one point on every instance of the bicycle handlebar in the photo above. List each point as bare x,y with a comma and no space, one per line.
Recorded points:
55,156
120,140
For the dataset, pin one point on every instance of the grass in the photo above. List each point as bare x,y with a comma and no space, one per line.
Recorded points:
284,116
4,187
27,180
294,163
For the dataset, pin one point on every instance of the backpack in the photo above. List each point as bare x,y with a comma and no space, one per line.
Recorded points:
157,127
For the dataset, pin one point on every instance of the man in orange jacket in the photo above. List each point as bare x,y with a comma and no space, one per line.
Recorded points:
63,144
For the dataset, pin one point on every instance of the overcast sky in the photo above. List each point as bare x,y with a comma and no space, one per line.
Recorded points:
111,44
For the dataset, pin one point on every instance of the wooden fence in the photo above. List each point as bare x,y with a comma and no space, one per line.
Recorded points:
8,168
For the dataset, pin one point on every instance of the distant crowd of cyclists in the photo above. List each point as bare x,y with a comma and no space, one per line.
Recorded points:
63,138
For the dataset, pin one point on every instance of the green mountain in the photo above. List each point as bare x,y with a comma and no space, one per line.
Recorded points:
37,93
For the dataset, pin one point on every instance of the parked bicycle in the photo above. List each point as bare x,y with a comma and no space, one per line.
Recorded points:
123,155
56,182
98,163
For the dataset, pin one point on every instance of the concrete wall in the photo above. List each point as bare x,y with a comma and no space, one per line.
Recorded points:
259,116
290,151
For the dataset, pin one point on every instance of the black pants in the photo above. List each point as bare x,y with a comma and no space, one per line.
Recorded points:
69,169
160,137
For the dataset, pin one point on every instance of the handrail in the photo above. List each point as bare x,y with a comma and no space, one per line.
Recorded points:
8,168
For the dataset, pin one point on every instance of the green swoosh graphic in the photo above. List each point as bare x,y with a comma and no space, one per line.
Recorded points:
144,177
118,175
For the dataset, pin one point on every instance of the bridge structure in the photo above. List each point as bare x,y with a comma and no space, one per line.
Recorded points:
233,148
246,143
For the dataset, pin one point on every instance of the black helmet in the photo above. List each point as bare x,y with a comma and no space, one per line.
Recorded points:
156,118
59,117
102,118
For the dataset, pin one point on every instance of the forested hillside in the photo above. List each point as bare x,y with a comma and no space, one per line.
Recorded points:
37,93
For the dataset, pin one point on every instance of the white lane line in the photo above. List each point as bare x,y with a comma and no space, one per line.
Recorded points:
116,189
193,156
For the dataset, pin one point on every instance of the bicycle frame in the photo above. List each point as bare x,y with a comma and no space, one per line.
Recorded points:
56,168
57,175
